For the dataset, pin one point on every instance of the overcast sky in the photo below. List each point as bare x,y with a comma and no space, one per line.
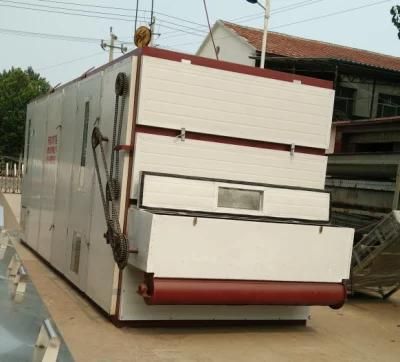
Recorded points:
366,27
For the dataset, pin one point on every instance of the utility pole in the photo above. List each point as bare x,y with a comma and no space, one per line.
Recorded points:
111,46
113,37
153,29
267,14
265,35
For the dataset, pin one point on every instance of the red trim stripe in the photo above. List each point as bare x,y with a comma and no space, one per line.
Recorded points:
228,140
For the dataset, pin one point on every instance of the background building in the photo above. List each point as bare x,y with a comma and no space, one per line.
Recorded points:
367,84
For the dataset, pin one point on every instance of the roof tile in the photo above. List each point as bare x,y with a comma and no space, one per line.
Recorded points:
291,46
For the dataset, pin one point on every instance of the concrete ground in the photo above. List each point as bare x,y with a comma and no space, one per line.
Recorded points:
366,329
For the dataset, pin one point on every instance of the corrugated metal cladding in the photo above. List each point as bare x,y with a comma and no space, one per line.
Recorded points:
182,95
62,208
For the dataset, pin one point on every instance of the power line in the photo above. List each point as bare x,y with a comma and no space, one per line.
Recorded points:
87,13
89,5
297,5
118,8
181,19
332,14
49,36
246,18
209,27
63,8
68,62
63,12
282,9
304,20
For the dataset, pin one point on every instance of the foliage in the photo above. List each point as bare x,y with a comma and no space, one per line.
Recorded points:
395,12
17,88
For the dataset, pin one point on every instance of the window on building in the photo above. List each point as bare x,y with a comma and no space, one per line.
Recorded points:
388,105
85,134
344,102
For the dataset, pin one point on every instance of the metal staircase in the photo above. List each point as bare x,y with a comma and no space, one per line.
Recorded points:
375,265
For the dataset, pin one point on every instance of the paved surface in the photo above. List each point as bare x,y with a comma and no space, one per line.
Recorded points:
21,316
364,330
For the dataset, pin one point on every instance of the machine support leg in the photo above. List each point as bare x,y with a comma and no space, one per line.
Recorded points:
49,340
14,266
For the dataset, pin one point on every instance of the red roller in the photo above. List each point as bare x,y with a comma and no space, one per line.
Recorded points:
163,291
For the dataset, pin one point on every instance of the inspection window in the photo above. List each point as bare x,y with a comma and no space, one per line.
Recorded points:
234,198
76,252
388,105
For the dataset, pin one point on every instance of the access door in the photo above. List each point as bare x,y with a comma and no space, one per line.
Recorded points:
82,181
49,181
34,171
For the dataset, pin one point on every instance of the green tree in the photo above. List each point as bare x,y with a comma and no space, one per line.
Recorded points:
395,12
17,88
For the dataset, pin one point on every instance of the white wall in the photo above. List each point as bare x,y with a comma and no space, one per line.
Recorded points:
223,161
180,95
232,49
179,193
207,248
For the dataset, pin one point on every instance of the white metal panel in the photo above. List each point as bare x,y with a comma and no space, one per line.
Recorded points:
166,192
64,177
205,248
181,95
49,181
78,207
26,183
134,308
34,170
215,160
82,179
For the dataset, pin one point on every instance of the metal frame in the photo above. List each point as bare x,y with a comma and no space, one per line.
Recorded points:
217,215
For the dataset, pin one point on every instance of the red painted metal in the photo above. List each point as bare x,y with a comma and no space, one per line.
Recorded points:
167,291
228,140
126,148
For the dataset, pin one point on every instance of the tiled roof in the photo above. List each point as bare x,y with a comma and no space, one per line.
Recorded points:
291,46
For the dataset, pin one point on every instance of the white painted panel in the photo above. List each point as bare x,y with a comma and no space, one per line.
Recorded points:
166,192
64,176
181,95
49,181
134,308
215,160
189,247
35,170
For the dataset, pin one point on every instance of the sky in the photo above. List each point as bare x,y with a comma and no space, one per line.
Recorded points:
364,24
